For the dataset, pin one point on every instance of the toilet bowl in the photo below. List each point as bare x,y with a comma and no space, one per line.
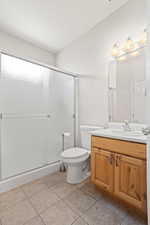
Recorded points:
77,160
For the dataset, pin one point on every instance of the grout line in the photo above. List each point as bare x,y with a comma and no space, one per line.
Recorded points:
33,193
83,220
59,199
13,204
30,220
33,208
39,214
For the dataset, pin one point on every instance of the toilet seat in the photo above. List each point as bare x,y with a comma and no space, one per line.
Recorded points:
74,153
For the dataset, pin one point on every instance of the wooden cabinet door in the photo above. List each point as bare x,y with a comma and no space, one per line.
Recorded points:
102,169
130,180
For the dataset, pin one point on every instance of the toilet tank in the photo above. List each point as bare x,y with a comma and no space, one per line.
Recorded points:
86,136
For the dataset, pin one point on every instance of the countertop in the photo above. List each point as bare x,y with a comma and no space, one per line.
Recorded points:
126,136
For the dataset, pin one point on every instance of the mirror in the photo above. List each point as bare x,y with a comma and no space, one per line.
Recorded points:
127,88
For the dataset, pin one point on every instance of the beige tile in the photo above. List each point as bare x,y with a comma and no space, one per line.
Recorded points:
80,221
84,182
79,201
91,189
33,187
63,189
54,179
44,199
133,220
117,208
100,214
59,214
11,198
35,221
19,214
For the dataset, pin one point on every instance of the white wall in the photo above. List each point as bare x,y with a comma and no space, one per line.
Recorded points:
91,53
24,49
148,109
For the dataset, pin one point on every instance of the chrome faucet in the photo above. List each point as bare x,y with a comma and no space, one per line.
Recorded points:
126,126
106,126
146,131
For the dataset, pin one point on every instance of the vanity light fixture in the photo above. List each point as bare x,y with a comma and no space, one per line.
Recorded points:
144,37
135,53
122,58
115,50
129,45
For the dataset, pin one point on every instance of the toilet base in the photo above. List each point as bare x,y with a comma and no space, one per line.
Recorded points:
76,175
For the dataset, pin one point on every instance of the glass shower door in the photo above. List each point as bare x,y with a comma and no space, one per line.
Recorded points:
24,110
37,107
62,115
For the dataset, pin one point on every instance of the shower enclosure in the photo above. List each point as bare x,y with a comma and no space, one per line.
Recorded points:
37,106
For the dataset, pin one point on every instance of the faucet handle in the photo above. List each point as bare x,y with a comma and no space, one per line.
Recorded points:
146,131
106,126
126,122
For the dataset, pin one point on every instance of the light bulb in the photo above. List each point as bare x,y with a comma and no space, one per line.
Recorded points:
144,37
129,45
135,53
122,58
115,50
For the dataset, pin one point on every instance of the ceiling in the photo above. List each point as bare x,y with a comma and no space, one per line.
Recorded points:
53,24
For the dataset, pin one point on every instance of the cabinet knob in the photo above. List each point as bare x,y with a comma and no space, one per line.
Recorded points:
118,158
111,159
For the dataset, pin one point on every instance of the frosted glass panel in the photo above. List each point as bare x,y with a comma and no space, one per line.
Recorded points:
37,107
14,68
23,144
62,115
24,87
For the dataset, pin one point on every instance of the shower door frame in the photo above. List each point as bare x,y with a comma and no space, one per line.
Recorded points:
75,112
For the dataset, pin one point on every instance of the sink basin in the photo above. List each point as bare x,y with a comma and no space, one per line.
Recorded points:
127,133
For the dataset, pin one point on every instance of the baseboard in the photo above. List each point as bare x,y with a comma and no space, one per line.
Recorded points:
24,178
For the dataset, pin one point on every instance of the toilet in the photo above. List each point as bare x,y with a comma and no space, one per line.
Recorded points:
78,159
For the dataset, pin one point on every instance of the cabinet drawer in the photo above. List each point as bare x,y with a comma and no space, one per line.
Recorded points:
133,149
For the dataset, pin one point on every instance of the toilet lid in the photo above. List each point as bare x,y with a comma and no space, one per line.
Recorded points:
74,153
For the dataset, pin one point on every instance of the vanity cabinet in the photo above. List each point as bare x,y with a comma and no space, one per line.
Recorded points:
130,180
119,172
102,169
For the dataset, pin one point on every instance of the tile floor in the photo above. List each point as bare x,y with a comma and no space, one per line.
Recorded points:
51,201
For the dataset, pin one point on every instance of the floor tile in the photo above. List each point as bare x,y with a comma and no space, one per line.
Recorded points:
79,201
115,206
91,189
43,200
100,214
33,187
133,220
35,221
84,182
11,198
59,214
81,204
64,189
53,179
80,221
19,214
